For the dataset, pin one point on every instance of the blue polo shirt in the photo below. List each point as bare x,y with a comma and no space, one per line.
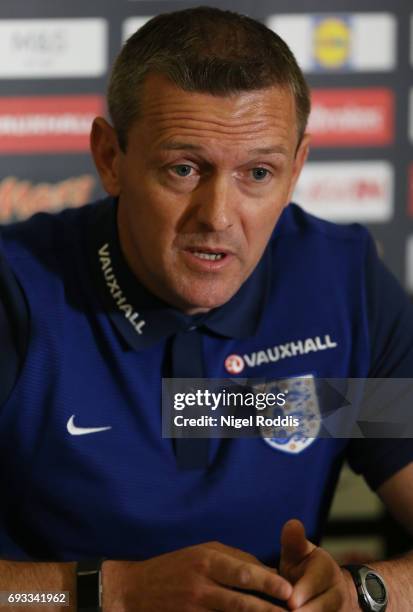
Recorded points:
87,347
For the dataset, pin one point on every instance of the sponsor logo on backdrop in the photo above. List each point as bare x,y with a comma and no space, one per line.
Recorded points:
410,190
339,42
52,123
411,39
47,48
20,199
347,191
352,117
409,264
411,115
132,24
331,41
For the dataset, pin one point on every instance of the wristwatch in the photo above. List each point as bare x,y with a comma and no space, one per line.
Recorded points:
89,585
370,586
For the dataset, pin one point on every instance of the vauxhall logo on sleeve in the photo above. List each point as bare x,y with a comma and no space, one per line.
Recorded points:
235,364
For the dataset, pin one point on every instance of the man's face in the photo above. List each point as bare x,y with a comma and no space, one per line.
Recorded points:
201,186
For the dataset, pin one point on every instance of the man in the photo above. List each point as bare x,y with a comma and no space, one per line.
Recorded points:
194,261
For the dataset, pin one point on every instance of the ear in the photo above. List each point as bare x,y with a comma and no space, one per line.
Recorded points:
106,154
299,161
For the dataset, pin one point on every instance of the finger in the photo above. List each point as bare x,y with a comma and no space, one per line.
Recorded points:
228,571
294,545
225,600
236,552
319,576
328,601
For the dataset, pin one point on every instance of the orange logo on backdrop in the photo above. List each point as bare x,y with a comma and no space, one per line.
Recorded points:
21,199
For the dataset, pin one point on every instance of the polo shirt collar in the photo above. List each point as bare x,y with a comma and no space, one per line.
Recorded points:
143,319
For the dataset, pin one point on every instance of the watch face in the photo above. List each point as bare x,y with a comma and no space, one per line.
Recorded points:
375,588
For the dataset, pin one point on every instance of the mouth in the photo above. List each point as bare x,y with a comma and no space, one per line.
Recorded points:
206,258
209,256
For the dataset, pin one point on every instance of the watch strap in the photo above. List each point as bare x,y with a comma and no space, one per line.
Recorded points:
89,585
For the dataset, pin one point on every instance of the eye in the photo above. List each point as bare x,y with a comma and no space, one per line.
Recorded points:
182,170
259,174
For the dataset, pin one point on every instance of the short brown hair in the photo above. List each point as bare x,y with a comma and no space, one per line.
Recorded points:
203,49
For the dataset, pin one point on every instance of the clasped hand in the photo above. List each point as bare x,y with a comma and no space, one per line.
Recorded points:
215,577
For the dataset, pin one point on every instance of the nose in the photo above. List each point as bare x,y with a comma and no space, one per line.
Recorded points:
214,203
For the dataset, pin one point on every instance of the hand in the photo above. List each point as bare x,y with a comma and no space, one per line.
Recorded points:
319,584
194,579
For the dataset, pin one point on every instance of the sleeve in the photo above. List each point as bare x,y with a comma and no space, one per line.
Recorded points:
14,328
390,325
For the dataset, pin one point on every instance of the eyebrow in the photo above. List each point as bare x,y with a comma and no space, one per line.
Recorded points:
186,146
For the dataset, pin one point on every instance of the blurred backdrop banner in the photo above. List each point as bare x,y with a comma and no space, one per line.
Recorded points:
357,57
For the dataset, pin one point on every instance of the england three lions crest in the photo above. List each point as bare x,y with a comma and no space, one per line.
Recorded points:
293,426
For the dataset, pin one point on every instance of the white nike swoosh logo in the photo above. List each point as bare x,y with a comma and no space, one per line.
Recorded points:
80,431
